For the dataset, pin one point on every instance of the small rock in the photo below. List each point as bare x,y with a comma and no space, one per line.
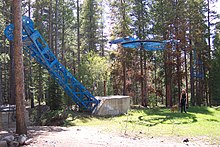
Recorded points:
186,140
8,138
3,143
22,138
28,142
13,144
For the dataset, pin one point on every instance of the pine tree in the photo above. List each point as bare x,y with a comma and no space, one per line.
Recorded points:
21,127
55,96
89,29
215,68
120,20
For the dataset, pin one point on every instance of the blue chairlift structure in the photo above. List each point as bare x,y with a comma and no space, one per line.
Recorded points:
150,45
35,45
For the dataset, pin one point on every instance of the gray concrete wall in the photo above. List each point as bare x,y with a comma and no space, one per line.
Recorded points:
8,119
112,105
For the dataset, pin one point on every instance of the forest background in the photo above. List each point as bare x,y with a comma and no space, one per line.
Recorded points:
79,32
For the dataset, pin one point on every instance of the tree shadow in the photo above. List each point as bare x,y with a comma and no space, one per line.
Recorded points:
201,110
76,115
35,131
155,117
213,120
32,131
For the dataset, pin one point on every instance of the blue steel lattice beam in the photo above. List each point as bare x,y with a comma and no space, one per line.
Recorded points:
35,45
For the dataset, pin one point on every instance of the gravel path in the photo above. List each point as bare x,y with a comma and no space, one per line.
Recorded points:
81,136
95,136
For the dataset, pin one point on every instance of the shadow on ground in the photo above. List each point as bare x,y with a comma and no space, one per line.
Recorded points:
33,131
156,116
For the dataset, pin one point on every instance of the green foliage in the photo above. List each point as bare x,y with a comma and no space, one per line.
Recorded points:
91,25
152,100
54,96
4,58
68,101
120,11
94,70
215,68
54,118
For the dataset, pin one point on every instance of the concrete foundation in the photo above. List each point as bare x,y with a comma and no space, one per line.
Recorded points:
112,105
8,117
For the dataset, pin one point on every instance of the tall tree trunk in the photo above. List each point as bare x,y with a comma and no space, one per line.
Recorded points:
145,80
21,127
186,76
30,87
200,90
192,87
168,77
145,87
78,36
178,58
11,100
40,93
102,31
7,66
124,51
63,37
1,98
50,25
207,90
124,72
56,30
1,65
142,76
11,70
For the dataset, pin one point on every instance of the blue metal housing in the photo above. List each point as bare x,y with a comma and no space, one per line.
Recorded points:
150,45
35,45
147,44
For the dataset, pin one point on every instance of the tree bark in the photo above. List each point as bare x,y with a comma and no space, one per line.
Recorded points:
78,36
186,76
142,76
21,127
56,30
30,88
1,98
50,25
63,50
11,99
192,87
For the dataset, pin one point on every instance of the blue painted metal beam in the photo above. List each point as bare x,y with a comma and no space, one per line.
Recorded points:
35,45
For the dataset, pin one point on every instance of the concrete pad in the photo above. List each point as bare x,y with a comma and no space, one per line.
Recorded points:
112,105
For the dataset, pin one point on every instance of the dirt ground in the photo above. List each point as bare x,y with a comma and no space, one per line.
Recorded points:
81,136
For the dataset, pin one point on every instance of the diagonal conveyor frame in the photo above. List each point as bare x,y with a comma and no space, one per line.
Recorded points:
35,45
